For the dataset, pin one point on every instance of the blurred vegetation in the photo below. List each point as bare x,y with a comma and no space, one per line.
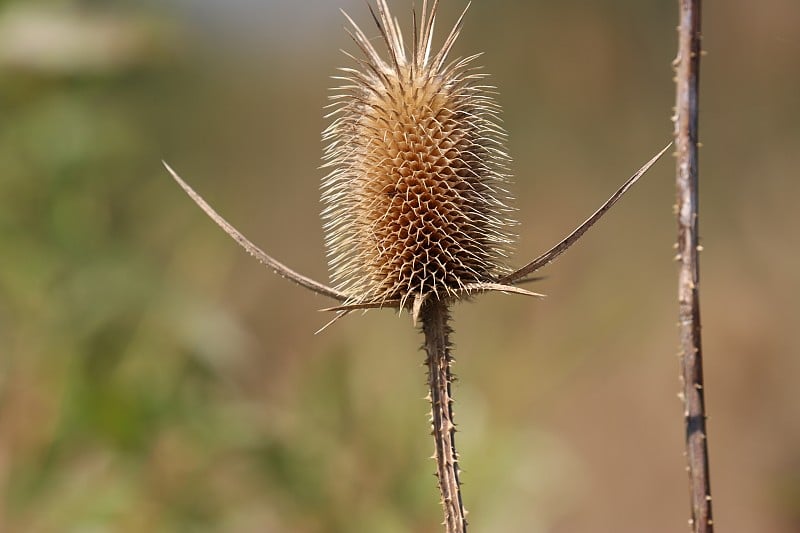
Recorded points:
153,378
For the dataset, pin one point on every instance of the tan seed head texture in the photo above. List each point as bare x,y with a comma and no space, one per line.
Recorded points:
415,202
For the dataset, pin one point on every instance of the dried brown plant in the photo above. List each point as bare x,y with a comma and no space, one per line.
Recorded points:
416,210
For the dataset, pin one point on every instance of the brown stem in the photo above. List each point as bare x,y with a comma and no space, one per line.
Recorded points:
435,316
687,68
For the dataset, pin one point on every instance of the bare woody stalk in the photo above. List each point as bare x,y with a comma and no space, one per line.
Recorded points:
435,317
687,68
416,214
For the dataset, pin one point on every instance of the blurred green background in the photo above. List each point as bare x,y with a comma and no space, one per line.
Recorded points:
153,377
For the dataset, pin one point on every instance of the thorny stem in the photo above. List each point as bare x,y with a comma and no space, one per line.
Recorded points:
687,68
435,316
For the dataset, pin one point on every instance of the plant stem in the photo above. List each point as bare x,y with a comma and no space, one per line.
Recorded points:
687,68
435,316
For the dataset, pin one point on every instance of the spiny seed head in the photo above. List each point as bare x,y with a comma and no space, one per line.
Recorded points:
415,202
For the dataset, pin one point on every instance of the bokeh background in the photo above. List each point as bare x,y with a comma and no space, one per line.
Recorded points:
153,377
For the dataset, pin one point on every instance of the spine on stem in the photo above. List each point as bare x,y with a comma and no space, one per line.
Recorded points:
435,316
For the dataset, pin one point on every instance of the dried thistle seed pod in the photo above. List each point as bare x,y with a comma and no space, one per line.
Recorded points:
415,203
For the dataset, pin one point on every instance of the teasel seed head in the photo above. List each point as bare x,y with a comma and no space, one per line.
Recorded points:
415,204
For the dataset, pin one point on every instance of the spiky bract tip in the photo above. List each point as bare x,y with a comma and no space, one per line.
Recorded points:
415,202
